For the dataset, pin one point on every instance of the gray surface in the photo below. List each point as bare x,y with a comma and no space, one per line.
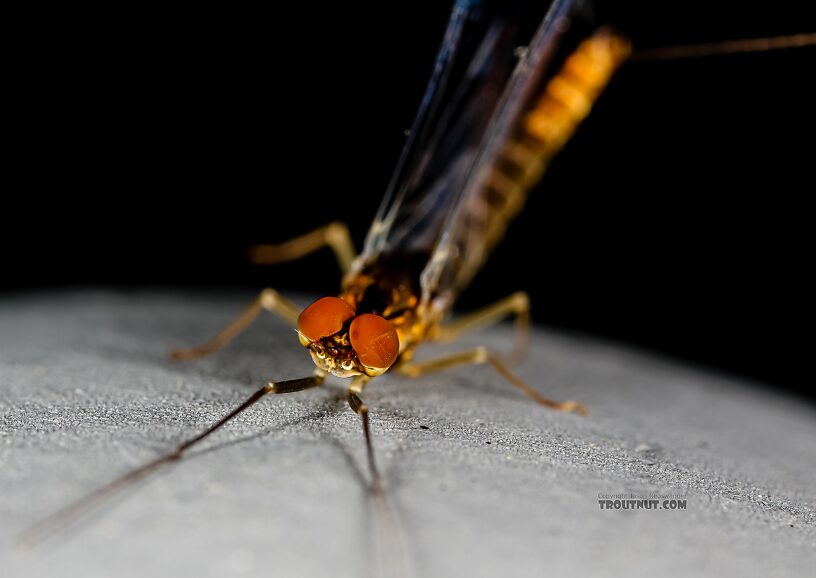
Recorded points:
85,394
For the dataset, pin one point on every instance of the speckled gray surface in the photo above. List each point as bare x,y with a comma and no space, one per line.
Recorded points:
495,485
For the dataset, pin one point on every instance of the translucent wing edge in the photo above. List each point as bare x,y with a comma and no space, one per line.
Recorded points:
378,232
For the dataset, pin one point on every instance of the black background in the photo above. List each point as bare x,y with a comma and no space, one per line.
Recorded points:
150,148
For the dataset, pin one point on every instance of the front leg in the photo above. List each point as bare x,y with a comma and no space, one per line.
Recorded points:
355,390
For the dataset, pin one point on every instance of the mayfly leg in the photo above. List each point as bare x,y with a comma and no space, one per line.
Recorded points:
335,235
269,300
361,409
479,356
517,304
62,518
390,547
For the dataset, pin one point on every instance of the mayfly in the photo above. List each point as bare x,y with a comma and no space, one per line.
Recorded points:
502,101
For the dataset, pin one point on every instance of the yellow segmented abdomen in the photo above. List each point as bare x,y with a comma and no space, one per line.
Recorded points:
566,100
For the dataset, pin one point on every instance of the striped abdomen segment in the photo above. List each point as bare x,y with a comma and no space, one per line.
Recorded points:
547,126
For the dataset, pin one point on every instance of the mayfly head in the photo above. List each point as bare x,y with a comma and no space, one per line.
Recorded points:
346,344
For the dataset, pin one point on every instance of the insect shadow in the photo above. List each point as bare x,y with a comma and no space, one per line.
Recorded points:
383,524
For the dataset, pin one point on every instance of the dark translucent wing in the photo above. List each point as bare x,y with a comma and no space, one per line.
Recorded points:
462,242
472,67
443,206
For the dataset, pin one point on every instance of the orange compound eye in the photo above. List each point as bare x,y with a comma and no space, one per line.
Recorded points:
374,341
324,317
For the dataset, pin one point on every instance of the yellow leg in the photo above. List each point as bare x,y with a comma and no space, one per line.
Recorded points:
269,299
517,304
334,235
481,355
